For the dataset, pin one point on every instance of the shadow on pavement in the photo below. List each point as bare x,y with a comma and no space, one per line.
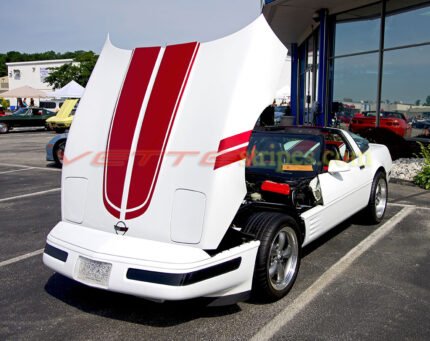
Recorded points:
130,308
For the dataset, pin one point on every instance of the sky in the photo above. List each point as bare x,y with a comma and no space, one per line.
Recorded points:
68,25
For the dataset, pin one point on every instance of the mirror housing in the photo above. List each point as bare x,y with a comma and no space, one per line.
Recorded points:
338,166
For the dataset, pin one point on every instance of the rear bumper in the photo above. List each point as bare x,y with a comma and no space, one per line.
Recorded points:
149,269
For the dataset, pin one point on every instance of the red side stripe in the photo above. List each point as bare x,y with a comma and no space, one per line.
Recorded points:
234,140
124,123
230,157
157,124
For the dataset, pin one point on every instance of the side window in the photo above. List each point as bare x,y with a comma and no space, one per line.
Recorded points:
361,142
336,148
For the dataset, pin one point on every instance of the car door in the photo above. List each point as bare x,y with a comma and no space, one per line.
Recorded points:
44,115
32,119
343,193
20,119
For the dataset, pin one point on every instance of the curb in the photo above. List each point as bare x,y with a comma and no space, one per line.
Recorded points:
402,182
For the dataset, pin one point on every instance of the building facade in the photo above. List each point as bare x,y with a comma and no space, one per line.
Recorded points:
359,55
4,84
32,74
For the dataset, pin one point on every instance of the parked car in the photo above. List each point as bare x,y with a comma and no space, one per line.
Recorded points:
55,149
25,117
421,124
394,121
345,117
138,222
317,179
64,118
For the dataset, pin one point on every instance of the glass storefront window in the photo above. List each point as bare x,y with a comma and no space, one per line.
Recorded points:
411,27
309,54
358,30
406,84
405,88
355,81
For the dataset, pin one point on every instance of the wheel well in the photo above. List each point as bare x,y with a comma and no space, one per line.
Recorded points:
246,216
57,143
381,169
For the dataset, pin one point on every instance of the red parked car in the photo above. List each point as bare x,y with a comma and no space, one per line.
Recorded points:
394,121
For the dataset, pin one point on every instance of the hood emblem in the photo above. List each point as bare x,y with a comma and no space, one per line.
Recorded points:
120,228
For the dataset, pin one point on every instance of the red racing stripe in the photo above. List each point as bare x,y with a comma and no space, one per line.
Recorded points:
124,123
230,157
157,124
235,140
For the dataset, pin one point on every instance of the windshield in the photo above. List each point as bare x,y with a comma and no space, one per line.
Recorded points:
294,154
384,114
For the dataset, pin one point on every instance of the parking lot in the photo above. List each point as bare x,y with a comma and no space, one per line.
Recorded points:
357,282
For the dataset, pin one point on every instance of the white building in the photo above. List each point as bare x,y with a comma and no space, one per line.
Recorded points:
4,84
32,74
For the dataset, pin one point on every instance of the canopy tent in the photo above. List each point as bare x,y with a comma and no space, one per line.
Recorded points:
24,92
71,90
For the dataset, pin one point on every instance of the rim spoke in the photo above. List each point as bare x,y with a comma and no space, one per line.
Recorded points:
272,269
273,252
288,252
280,272
281,240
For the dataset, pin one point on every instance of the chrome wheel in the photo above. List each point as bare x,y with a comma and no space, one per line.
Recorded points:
381,198
283,258
59,153
3,128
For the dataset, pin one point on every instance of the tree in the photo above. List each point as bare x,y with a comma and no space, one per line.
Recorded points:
60,76
427,103
4,103
418,102
15,56
80,71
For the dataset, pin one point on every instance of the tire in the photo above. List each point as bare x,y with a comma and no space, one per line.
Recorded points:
4,128
58,152
59,130
276,265
375,210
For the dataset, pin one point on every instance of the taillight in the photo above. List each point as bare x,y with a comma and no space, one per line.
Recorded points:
275,187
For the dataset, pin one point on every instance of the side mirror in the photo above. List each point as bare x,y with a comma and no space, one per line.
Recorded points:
338,166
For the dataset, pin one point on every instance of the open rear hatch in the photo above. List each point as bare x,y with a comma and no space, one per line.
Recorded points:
155,148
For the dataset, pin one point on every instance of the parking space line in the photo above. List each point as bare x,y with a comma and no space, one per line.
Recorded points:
16,170
328,277
409,205
20,258
31,194
28,167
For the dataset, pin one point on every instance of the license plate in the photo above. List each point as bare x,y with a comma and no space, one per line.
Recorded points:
94,272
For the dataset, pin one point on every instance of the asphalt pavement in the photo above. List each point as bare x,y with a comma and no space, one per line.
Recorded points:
357,282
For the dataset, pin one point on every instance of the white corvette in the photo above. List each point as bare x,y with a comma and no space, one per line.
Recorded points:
156,201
